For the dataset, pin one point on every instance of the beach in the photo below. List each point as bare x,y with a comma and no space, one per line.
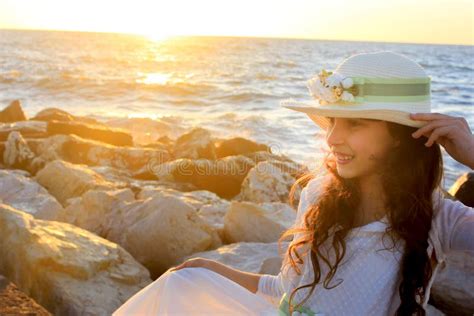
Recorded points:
128,156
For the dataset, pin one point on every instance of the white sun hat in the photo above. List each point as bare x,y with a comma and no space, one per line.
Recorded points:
379,85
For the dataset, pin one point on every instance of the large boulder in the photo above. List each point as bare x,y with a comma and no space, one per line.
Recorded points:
265,222
453,288
463,189
17,153
13,113
30,129
197,199
21,192
95,210
214,214
160,231
266,183
99,133
223,176
124,178
209,206
71,148
55,114
238,146
148,131
195,144
66,269
64,180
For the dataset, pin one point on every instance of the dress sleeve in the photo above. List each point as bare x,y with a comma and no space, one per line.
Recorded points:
271,286
454,227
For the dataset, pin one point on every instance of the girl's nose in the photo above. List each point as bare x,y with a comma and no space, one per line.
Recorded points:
335,134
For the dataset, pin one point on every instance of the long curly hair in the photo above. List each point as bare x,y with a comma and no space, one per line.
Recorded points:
410,175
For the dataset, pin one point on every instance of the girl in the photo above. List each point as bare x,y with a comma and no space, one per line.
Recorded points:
371,229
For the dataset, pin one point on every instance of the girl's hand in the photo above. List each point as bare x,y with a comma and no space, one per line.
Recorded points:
193,263
453,133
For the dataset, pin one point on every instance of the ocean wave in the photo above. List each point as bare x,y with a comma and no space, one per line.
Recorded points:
70,82
246,97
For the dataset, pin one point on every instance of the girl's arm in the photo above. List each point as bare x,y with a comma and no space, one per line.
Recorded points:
454,227
245,279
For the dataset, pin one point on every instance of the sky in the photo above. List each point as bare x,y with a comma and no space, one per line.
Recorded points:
405,21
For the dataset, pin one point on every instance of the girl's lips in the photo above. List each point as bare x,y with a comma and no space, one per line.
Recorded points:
343,159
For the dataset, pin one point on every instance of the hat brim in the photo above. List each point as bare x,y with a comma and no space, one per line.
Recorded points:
319,114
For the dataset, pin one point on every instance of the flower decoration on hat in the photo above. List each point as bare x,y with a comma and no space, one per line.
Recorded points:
329,87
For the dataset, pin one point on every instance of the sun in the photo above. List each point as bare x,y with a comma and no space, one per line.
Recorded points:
156,36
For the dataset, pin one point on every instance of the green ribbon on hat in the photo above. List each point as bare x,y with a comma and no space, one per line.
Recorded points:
390,89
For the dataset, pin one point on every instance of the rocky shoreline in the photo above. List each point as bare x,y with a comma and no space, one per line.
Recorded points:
90,214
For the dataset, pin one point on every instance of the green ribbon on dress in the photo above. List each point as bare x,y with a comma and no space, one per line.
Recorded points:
284,308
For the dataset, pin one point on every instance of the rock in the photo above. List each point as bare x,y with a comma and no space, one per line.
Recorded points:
68,270
121,177
55,114
263,222
147,131
50,114
64,180
266,183
195,144
160,231
210,207
13,113
95,209
253,257
30,129
77,150
453,288
282,162
463,189
223,176
21,192
239,146
106,135
18,155
124,178
197,199
213,215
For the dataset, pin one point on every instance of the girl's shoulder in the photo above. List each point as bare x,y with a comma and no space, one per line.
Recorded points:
314,187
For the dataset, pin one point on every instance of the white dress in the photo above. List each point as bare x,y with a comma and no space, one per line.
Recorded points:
195,291
370,277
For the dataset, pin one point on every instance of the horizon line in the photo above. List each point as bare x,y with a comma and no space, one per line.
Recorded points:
230,36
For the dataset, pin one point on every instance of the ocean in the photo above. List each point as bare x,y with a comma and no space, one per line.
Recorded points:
229,85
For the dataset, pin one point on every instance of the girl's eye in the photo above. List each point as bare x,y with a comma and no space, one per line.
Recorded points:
354,122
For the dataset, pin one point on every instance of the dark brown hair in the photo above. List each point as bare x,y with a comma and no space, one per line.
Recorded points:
411,174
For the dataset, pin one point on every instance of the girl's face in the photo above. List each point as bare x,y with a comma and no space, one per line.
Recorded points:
360,146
